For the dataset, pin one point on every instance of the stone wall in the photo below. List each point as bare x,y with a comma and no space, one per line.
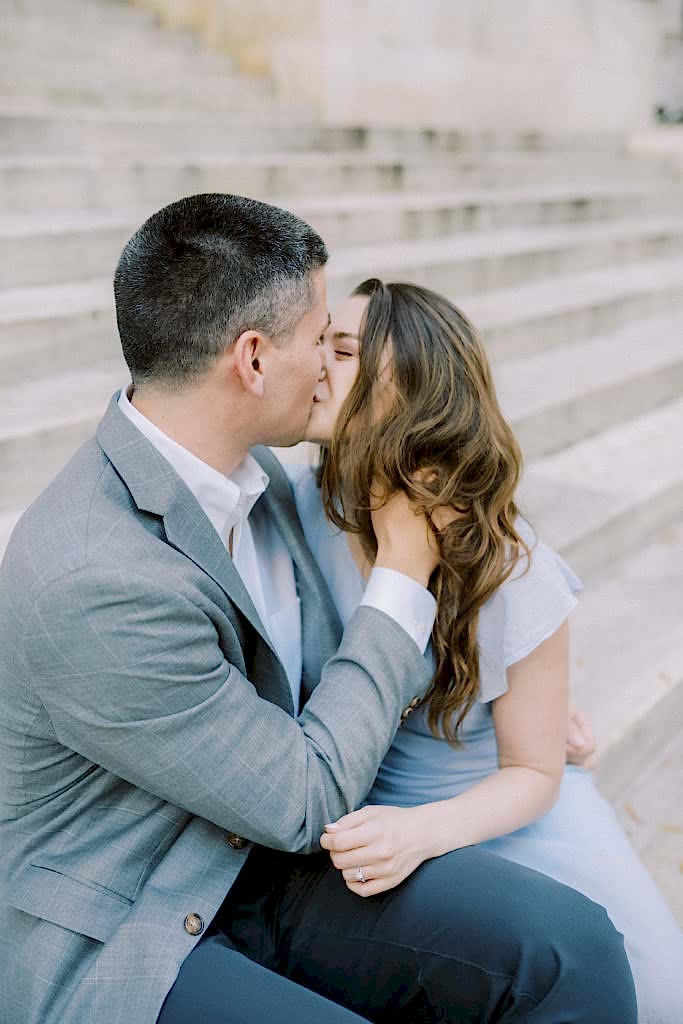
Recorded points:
483,66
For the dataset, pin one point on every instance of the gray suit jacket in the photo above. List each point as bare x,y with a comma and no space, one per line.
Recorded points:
146,724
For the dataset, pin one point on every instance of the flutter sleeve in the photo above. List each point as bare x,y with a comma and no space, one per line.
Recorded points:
528,608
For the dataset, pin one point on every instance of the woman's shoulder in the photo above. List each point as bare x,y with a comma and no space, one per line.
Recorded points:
327,542
538,595
304,483
536,567
299,473
303,479
528,607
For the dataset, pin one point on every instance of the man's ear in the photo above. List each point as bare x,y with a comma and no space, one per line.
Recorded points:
248,352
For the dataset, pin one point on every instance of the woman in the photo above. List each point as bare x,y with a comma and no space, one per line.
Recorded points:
408,403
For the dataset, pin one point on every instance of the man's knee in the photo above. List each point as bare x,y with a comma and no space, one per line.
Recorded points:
578,952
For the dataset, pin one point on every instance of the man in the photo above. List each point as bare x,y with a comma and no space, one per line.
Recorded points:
174,690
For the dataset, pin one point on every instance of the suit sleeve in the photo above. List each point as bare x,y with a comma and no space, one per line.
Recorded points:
134,679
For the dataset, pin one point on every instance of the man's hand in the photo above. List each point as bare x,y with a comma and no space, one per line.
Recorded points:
405,540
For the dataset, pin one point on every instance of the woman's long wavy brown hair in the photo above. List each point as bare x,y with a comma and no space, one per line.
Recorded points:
436,432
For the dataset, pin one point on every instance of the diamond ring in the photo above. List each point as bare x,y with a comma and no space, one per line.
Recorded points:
360,877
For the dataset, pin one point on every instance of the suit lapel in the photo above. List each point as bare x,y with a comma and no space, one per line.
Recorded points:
189,530
321,627
157,488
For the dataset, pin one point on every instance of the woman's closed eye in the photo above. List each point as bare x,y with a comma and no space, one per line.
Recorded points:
344,353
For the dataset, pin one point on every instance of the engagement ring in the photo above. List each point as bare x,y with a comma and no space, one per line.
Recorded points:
360,877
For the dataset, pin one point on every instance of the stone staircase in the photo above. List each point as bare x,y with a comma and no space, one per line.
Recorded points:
569,260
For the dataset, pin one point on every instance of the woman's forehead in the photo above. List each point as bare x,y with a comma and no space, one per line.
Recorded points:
348,314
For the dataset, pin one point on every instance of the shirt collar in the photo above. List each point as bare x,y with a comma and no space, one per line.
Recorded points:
226,500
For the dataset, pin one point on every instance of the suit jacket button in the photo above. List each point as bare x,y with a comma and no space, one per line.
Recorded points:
411,707
236,841
193,924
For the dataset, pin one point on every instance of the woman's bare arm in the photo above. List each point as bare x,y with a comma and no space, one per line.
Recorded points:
531,730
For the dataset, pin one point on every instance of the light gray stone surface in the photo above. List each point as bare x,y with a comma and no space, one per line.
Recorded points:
650,812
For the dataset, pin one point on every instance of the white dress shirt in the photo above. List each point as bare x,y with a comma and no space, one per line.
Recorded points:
263,560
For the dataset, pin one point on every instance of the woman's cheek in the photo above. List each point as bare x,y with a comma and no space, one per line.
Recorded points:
348,378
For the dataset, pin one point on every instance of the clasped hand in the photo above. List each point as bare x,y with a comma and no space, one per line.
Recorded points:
389,843
384,841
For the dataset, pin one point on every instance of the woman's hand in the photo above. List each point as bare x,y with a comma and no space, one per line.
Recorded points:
386,842
580,739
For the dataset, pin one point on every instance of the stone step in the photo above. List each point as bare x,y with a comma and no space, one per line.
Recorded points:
41,128
132,35
483,261
113,88
650,814
44,422
34,130
53,329
627,654
627,658
126,75
412,216
69,16
559,311
51,51
560,396
135,39
57,329
606,495
52,181
53,246
104,28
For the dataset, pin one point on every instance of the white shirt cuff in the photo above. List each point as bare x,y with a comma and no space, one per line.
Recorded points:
405,600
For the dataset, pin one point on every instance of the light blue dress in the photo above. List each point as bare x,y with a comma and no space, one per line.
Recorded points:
579,841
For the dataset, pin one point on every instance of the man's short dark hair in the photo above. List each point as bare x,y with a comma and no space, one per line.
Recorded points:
203,270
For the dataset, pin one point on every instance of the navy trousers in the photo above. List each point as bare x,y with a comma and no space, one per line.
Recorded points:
469,936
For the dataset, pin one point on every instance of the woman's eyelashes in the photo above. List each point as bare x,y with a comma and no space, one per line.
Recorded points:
343,353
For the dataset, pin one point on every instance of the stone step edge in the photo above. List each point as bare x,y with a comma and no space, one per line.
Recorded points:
623,757
471,243
445,159
40,222
466,143
303,117
524,302
502,242
150,86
